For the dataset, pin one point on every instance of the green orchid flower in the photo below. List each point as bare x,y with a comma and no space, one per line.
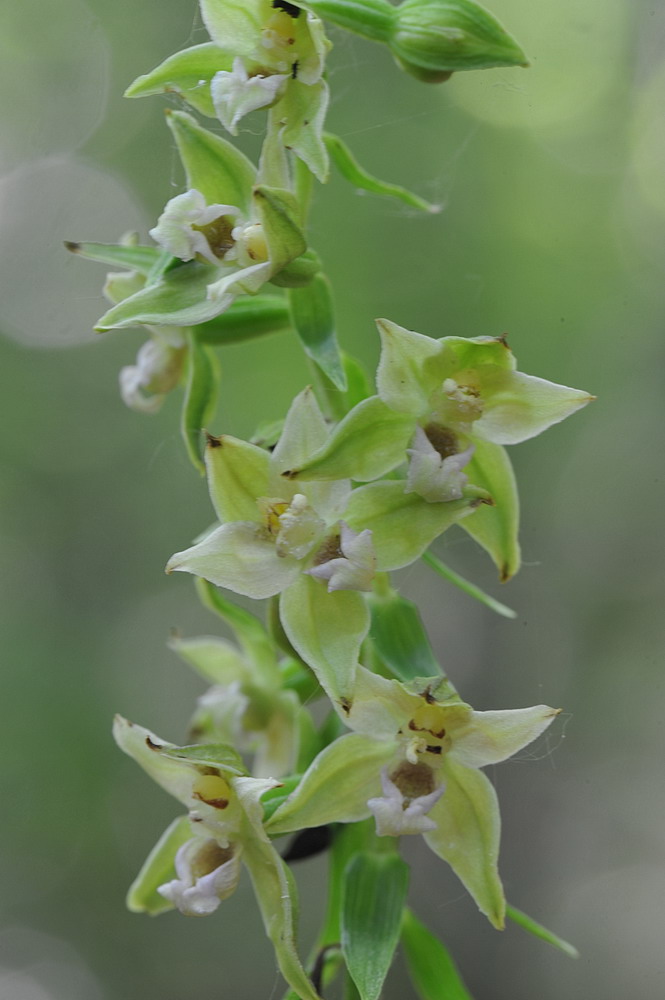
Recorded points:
245,707
316,544
412,761
223,238
197,862
450,406
263,54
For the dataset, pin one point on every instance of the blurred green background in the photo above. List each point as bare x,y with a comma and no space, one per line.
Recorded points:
552,182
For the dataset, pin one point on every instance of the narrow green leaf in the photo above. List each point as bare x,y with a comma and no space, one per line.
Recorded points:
469,588
351,170
135,258
400,638
220,755
245,319
213,166
248,630
431,968
314,322
200,398
533,927
187,73
158,869
375,890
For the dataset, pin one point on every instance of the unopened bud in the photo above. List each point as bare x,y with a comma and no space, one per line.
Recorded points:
433,38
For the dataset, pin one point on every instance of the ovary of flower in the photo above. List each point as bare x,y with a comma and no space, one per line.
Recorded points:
189,226
353,566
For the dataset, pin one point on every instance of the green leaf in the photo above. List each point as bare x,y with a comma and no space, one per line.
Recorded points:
179,298
314,321
351,170
220,755
431,968
400,638
157,870
326,630
469,588
533,927
370,441
403,524
200,397
188,74
213,166
135,258
495,528
375,888
245,319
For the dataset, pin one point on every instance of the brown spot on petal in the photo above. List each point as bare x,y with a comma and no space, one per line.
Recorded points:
72,247
413,780
153,746
443,440
345,705
212,441
288,8
215,803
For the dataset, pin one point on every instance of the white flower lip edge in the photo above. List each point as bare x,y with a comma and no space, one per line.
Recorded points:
175,230
355,568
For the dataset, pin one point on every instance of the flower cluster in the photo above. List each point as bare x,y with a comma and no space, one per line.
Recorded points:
313,514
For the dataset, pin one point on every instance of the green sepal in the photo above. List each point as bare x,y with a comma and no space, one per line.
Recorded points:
245,319
495,528
278,210
336,786
400,639
213,166
179,298
299,272
375,887
188,74
158,869
134,258
326,630
277,896
533,927
303,108
314,321
216,660
351,171
202,381
468,828
403,524
371,440
432,970
277,796
247,628
238,473
218,755
469,588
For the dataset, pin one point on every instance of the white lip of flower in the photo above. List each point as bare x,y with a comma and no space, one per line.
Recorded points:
235,93
156,372
206,874
397,814
355,568
178,229
433,477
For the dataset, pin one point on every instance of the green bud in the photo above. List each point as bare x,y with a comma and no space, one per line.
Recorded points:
433,38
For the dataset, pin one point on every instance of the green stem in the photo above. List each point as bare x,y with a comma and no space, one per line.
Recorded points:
469,588
369,18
